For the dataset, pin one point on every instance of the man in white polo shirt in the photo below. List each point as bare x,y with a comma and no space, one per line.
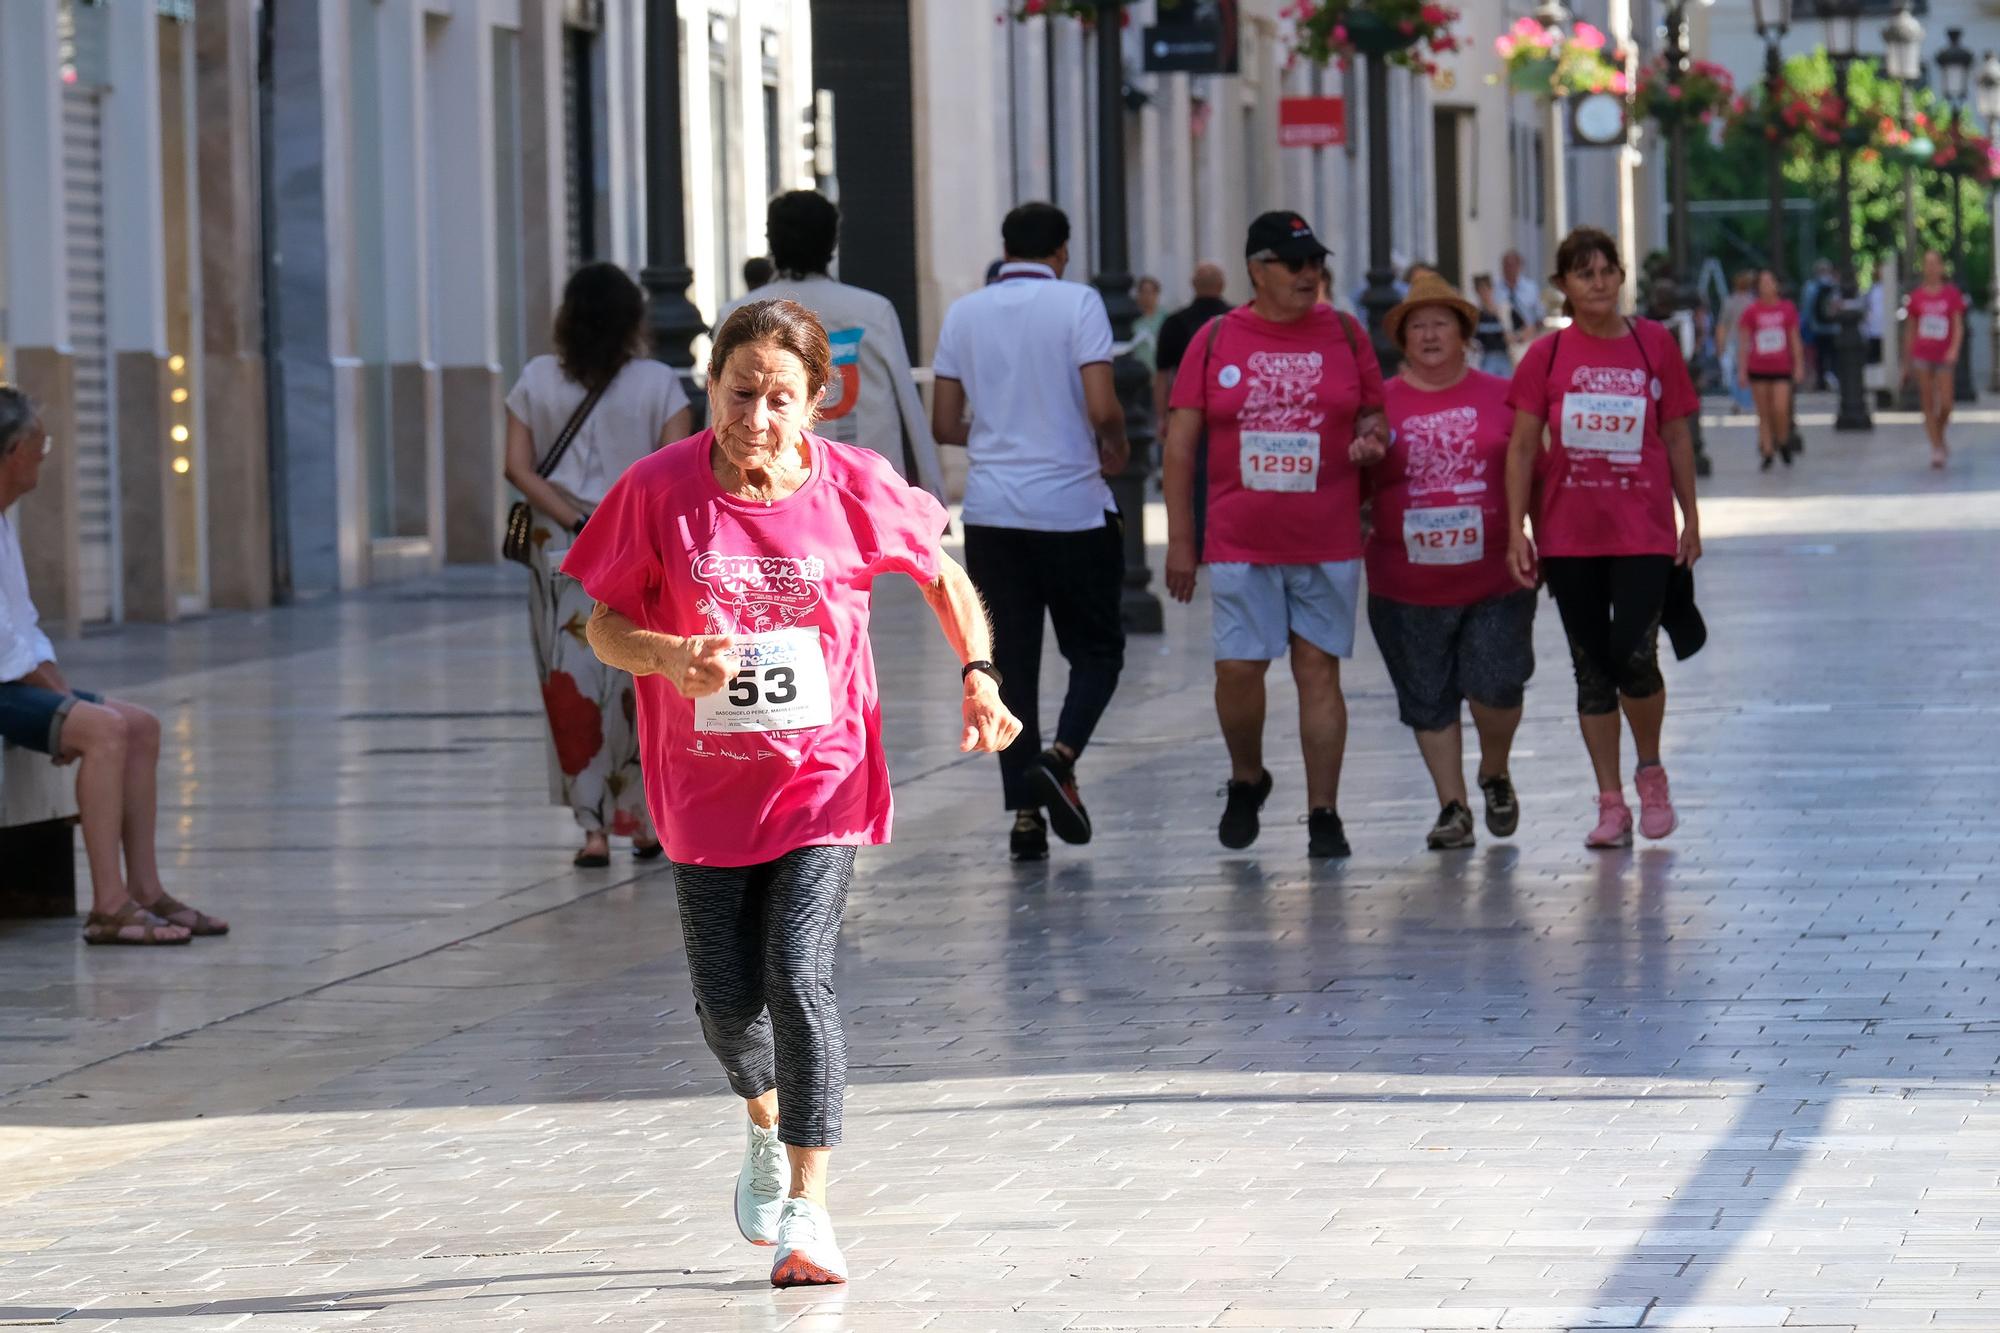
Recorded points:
1031,355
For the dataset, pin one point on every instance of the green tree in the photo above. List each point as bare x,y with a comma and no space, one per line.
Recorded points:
1736,169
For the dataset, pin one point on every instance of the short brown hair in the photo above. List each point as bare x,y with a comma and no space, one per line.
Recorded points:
1577,249
785,325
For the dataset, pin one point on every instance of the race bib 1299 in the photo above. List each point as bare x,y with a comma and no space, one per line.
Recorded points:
780,685
1280,460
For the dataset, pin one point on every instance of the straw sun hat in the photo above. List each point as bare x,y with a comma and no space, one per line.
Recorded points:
1428,289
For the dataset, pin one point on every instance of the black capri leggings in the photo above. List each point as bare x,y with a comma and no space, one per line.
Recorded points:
1610,607
760,945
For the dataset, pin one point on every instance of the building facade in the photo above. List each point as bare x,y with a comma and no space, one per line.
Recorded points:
270,268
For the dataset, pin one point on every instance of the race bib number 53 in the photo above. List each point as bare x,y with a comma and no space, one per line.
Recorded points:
1280,460
780,685
1603,423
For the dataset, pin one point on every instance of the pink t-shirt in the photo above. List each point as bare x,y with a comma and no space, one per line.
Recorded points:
1930,315
1606,487
789,754
1440,535
1280,402
1766,337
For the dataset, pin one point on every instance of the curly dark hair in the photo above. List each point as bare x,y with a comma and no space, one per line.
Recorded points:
601,325
803,227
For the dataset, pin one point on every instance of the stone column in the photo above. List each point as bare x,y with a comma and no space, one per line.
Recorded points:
544,170
415,423
31,248
136,314
237,448
464,335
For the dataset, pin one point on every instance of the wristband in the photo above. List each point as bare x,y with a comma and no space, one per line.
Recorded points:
983,666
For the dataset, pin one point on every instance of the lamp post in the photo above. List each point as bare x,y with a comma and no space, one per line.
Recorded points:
1685,298
1903,60
1989,113
1774,20
671,318
1955,81
1843,35
1380,295
1138,607
1555,173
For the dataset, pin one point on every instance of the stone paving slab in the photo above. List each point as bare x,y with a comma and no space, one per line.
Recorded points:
440,1081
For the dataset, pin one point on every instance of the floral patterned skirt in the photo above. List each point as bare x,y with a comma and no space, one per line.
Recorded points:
592,710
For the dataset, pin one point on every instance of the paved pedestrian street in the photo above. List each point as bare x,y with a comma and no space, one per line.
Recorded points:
440,1080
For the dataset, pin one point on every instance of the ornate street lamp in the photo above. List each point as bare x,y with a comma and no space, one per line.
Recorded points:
1774,20
1843,36
1675,60
1139,608
1955,81
671,318
1903,61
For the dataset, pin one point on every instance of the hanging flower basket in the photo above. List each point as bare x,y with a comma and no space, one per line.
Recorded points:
1538,60
1822,119
1960,152
1702,92
1410,33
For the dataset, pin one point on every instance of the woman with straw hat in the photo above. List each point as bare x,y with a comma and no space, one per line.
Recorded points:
1452,624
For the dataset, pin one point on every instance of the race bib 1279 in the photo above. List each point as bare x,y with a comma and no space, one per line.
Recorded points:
1446,535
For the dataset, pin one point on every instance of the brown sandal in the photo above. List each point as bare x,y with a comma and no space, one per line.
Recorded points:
110,927
167,907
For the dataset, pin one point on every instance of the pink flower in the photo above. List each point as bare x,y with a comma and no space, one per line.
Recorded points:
1589,38
1526,28
1435,16
1505,46
1340,34
1620,84
1407,28
1674,91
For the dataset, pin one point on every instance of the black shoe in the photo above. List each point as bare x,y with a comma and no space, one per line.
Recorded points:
647,851
1030,839
1503,808
1789,450
1764,464
1054,781
1453,830
1325,836
1239,817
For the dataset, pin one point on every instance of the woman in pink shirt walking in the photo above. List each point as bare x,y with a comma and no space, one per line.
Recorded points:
731,572
1933,328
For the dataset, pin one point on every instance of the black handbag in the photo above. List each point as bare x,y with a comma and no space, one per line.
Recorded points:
515,542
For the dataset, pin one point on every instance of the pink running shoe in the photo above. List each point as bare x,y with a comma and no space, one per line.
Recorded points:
1656,807
1614,822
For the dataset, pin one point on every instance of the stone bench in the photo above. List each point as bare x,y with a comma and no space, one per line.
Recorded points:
37,848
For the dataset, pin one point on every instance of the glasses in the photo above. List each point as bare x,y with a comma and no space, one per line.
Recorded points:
1290,265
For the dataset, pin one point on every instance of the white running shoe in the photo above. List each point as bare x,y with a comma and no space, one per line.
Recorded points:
761,1186
807,1255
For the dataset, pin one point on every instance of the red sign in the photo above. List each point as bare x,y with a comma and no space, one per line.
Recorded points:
1312,122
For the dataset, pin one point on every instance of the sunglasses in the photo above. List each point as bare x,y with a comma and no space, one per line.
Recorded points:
1290,265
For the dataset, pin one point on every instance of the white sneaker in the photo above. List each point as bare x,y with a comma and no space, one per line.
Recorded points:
761,1186
807,1255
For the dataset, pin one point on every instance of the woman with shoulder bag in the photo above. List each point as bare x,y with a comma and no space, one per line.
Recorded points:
575,421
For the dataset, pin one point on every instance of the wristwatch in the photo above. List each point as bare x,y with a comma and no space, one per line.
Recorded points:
576,528
981,665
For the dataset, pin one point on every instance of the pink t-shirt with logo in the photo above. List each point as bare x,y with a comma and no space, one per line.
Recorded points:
1280,402
789,754
1766,331
1606,486
1930,316
1440,536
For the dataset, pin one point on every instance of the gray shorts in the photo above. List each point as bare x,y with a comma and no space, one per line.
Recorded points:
1440,655
1257,608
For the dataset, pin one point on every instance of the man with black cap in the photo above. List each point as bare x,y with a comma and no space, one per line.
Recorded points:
1031,355
1290,395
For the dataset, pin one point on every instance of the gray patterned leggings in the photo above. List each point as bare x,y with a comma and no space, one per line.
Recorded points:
760,946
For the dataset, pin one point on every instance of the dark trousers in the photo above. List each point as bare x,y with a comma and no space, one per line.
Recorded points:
1610,606
1074,579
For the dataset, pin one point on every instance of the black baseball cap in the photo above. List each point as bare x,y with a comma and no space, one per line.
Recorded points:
1285,236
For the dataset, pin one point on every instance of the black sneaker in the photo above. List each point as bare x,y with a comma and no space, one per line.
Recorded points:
1503,809
1453,830
1054,781
1325,836
1239,817
1030,839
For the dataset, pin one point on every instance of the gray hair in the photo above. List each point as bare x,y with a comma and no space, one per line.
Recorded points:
17,415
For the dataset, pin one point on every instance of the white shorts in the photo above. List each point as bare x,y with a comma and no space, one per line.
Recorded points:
1257,608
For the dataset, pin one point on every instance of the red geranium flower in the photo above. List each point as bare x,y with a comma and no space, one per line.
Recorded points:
576,723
